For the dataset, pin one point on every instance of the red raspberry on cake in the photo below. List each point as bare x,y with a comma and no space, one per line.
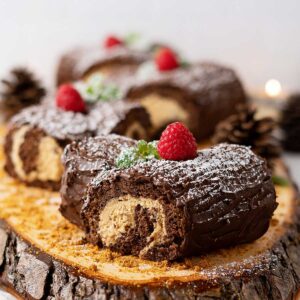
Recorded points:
177,143
69,99
112,41
166,59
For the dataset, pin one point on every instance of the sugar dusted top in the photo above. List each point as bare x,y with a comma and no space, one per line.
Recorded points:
102,118
194,80
222,169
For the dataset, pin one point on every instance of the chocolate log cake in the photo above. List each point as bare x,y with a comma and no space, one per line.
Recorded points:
37,136
200,96
162,209
117,63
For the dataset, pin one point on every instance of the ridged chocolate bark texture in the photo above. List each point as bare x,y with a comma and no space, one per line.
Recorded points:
118,116
208,92
37,275
224,197
75,64
82,164
65,127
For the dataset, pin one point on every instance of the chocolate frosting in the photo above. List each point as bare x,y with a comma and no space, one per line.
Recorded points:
83,161
61,125
67,126
226,194
194,81
112,117
78,62
208,92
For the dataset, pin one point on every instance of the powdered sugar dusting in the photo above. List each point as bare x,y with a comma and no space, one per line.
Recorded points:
222,169
96,153
103,118
106,116
55,122
196,79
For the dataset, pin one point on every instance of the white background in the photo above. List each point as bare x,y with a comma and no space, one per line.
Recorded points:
260,38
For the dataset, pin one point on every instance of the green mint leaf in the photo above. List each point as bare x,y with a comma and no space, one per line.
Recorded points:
142,148
143,151
95,89
131,38
152,146
278,180
126,158
184,63
90,90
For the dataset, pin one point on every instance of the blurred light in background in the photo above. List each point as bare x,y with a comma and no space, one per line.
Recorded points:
273,88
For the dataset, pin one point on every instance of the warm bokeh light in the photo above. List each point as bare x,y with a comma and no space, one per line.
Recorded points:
273,88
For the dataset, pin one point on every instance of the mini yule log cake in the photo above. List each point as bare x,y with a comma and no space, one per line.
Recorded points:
114,59
161,209
37,136
199,95
43,256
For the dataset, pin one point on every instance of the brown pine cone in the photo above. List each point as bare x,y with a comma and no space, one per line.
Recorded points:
244,129
290,123
18,91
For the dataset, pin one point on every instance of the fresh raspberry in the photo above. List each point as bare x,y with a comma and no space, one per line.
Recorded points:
112,41
177,143
68,98
166,59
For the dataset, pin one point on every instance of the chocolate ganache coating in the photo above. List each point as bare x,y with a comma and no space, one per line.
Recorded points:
65,126
117,63
162,209
205,93
121,117
36,138
83,161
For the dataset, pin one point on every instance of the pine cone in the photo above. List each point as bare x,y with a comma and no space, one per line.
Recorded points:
290,123
22,89
242,128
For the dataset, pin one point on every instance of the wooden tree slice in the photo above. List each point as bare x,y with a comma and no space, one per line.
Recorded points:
43,256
